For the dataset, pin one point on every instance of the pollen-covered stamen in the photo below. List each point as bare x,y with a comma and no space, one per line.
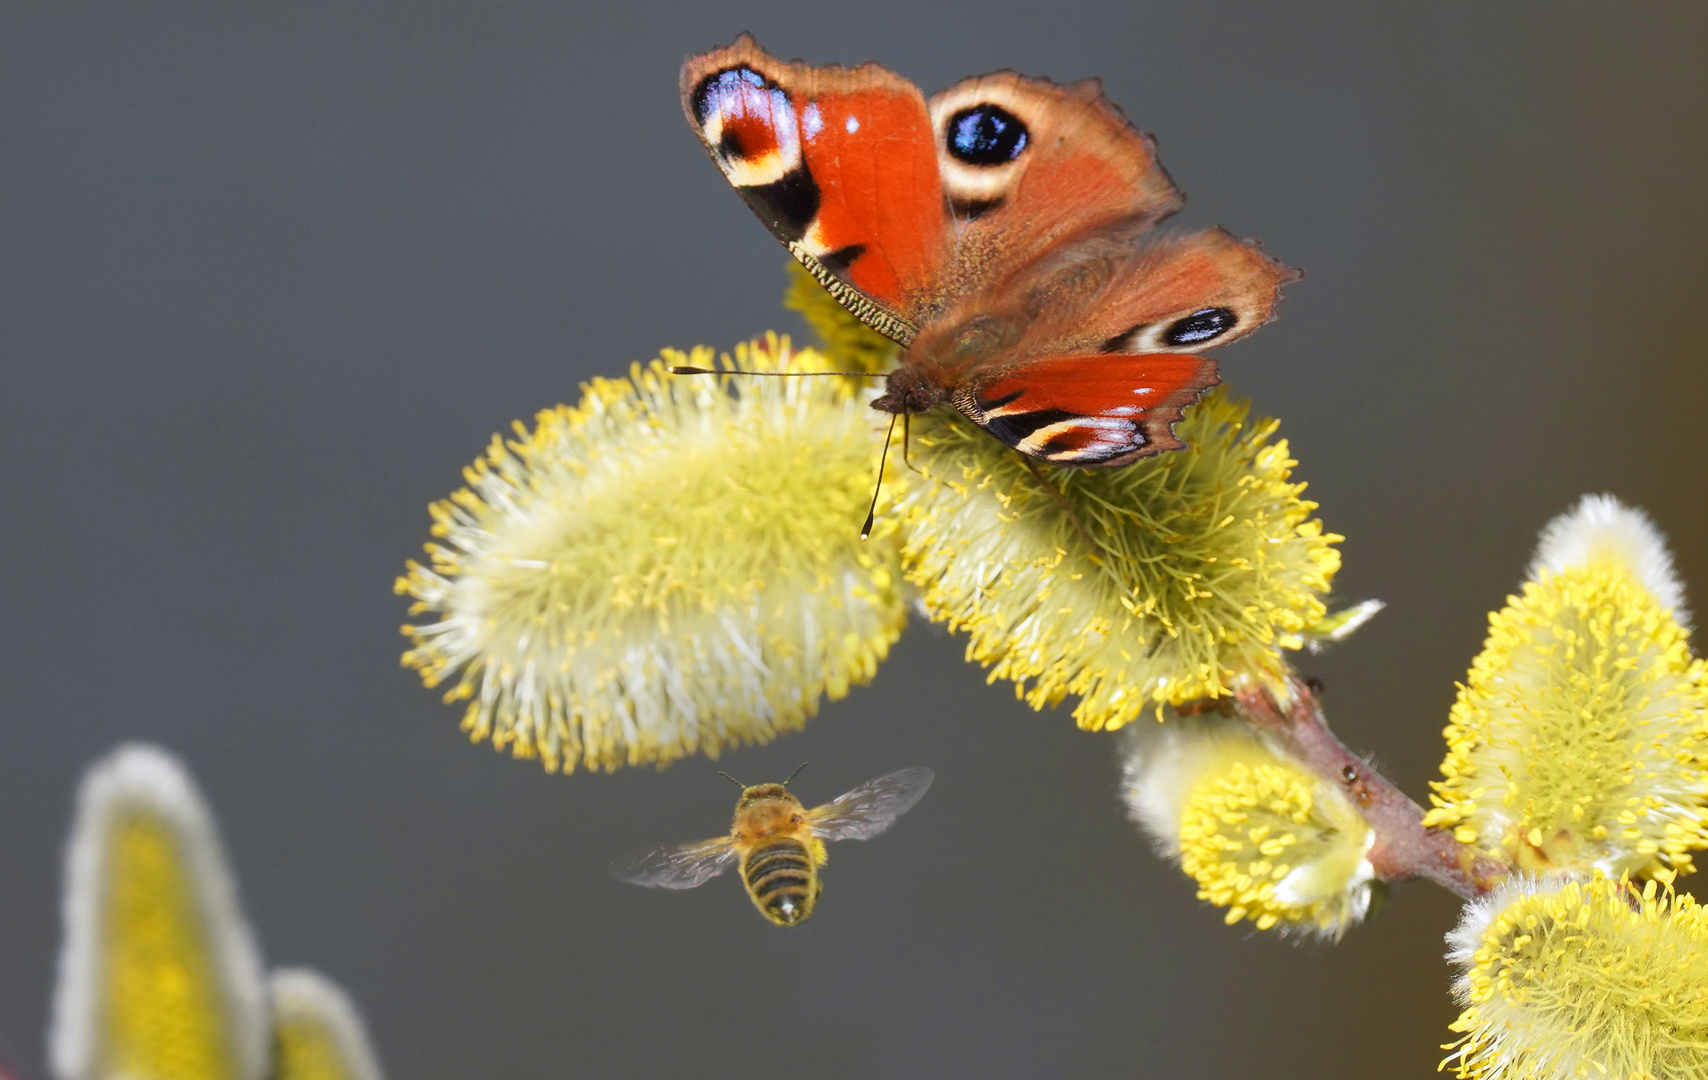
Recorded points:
1601,529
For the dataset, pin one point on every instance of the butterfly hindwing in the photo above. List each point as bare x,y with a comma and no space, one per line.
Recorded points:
1183,293
839,163
1089,410
1085,357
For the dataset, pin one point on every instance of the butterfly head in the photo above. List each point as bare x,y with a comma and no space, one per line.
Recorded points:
909,390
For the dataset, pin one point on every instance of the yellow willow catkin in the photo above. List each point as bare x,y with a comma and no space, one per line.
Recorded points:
317,1033
1263,837
1567,979
669,567
1580,737
1194,569
158,978
163,1007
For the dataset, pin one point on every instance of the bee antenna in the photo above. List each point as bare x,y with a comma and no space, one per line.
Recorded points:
871,514
733,780
794,774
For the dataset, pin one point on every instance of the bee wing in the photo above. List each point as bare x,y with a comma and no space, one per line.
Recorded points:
677,866
872,807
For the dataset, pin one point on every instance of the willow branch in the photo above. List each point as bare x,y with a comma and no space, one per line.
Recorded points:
1404,848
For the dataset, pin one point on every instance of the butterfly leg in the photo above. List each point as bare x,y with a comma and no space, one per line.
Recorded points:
1067,508
906,440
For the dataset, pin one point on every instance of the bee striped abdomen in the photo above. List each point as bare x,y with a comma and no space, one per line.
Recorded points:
781,879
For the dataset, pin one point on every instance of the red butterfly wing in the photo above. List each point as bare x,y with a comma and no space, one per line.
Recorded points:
1102,409
997,232
1180,293
840,164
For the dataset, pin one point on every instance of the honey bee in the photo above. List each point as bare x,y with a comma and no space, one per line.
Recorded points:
778,843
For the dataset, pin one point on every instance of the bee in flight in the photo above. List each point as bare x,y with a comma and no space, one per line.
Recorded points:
778,843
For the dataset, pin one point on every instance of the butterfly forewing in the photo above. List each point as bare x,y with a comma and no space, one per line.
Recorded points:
1028,163
677,866
839,163
872,807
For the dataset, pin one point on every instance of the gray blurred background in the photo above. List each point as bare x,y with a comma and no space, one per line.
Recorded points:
274,273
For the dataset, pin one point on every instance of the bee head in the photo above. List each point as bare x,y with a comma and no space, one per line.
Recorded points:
761,792
751,794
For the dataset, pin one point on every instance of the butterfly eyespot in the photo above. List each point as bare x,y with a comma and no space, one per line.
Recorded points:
986,135
1200,326
718,88
745,115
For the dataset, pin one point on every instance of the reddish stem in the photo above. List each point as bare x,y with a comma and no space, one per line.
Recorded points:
1404,848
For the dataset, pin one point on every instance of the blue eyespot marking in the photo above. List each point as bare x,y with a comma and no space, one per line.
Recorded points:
1200,326
724,86
986,135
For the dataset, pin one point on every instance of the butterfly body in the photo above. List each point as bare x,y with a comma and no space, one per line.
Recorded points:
998,232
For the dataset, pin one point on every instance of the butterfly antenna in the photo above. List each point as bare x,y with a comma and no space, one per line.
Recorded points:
794,774
684,369
871,515
733,780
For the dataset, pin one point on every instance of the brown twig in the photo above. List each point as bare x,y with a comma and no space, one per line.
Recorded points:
1404,848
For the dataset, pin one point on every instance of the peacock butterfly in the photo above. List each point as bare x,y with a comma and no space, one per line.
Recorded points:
998,232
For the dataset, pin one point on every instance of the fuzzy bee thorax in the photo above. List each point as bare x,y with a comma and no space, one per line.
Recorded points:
766,814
